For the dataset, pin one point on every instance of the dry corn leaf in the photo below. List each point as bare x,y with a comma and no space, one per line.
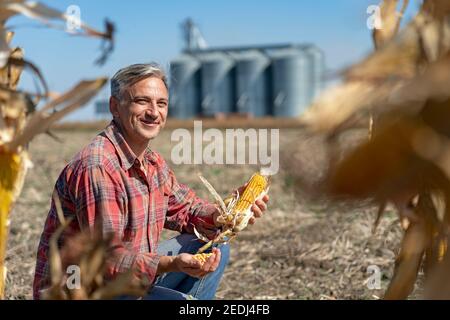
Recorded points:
124,284
415,241
403,91
438,9
433,83
423,40
90,251
22,63
345,106
438,284
10,74
349,105
390,21
388,166
41,120
47,16
396,60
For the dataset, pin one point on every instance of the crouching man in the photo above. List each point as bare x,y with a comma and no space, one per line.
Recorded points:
118,184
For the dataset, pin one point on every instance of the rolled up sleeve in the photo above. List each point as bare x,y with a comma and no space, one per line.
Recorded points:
186,210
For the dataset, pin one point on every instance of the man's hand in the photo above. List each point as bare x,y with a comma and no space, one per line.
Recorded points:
186,263
258,208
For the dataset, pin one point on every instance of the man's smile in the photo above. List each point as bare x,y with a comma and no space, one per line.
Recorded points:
149,123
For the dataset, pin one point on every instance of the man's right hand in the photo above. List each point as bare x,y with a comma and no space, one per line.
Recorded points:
186,263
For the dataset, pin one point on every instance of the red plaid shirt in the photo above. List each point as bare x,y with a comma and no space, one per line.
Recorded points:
104,186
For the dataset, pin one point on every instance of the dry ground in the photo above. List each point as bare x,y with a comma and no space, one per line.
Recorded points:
299,250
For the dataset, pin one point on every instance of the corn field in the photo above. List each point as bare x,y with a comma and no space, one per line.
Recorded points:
20,117
399,95
375,147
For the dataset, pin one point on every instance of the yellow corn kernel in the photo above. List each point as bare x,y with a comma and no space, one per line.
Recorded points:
256,185
202,257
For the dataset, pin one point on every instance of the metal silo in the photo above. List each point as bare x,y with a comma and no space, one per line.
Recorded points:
252,87
317,58
290,82
184,87
217,83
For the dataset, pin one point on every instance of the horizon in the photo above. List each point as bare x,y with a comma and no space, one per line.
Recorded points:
339,29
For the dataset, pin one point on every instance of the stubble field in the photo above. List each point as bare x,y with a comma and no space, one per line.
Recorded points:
300,249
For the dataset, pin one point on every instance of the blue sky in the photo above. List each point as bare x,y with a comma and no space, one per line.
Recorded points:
149,30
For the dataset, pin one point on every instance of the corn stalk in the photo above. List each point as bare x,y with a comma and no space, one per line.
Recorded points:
89,251
20,120
401,89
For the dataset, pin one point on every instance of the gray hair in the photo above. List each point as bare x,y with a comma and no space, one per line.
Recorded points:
128,76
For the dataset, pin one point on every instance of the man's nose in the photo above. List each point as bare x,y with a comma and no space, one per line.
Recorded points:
152,110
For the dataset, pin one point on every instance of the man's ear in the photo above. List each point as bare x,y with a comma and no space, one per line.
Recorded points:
114,106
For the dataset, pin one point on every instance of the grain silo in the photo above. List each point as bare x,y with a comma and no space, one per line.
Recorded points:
279,80
291,86
217,83
317,59
184,87
252,83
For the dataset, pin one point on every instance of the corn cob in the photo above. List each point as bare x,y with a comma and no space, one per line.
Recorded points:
11,176
236,211
256,188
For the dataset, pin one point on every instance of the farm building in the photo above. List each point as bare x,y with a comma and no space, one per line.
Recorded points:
270,80
278,80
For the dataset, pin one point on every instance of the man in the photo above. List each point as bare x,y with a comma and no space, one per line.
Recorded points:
119,185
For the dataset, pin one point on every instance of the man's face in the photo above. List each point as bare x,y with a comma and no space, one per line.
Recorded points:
142,110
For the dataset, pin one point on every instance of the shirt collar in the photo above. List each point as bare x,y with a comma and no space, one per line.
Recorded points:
127,157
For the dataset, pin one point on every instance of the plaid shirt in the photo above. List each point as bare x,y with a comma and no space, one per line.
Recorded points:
105,186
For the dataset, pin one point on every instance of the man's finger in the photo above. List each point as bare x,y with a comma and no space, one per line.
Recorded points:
207,264
265,198
216,260
256,211
252,220
261,204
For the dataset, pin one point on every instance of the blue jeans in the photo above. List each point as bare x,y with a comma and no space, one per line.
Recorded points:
180,286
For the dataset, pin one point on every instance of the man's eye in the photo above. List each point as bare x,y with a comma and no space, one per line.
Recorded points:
141,101
162,104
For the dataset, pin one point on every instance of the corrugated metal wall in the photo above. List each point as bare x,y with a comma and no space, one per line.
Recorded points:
217,84
281,82
291,84
184,87
252,87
